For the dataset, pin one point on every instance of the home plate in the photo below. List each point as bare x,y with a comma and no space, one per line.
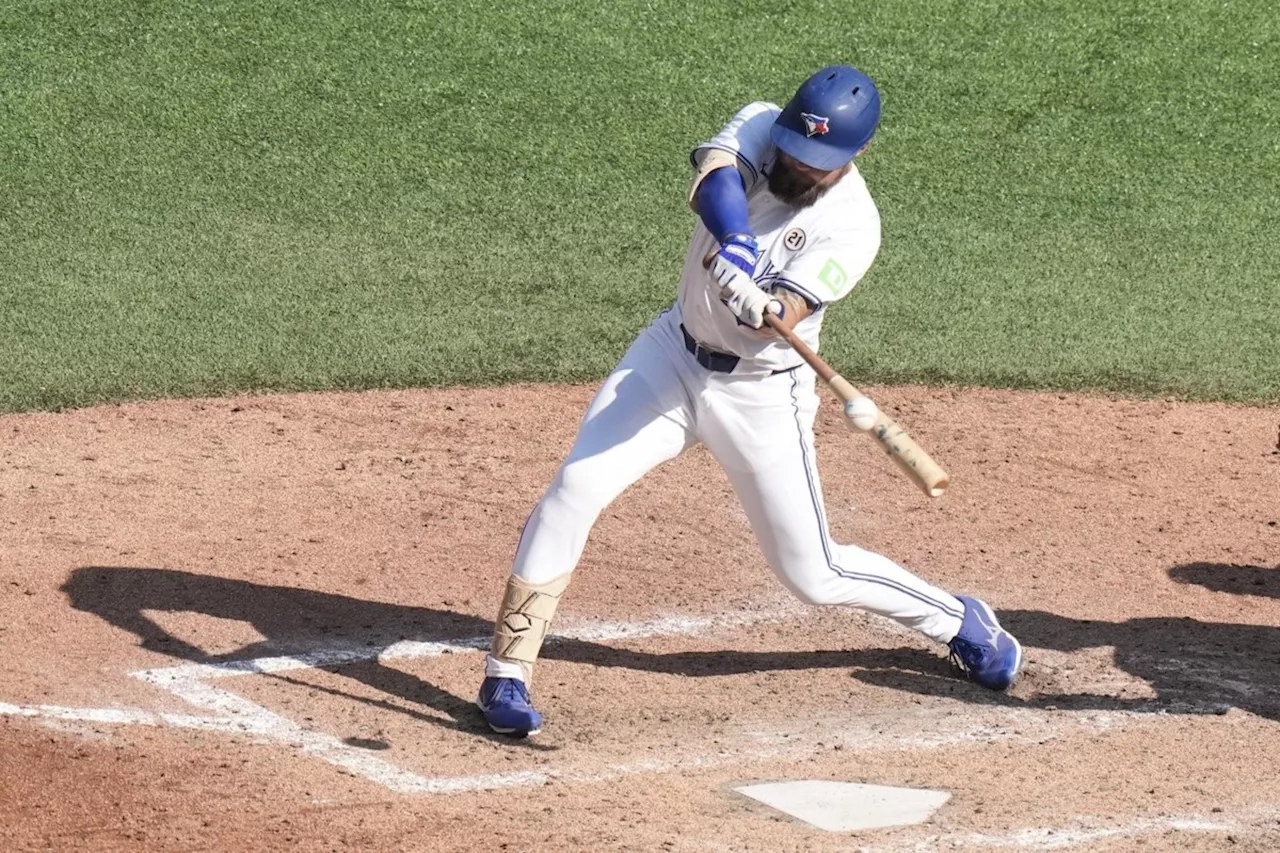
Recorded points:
847,806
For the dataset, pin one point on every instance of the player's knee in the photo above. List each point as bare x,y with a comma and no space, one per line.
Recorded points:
579,489
817,587
816,593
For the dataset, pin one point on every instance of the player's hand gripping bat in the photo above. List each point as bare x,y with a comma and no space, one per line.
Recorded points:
862,414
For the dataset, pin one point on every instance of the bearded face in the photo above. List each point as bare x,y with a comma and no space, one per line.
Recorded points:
797,185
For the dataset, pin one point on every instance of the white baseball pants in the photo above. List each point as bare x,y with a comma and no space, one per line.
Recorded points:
659,402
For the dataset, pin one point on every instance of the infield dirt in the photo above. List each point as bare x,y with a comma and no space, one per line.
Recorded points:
355,545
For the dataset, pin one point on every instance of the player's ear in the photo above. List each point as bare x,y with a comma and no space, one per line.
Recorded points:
862,150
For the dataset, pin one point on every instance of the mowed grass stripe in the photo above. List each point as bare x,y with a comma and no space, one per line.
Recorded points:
226,196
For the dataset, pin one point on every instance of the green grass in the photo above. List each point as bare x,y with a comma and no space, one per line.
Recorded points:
200,198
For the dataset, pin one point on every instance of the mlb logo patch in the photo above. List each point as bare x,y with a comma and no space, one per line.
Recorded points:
815,125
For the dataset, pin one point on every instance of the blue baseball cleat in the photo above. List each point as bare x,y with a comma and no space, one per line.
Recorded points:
506,707
985,652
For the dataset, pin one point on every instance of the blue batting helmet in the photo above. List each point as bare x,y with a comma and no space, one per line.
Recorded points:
833,114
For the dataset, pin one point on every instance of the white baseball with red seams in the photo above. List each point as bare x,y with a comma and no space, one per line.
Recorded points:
756,419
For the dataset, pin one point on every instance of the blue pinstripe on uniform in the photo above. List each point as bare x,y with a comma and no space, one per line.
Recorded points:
816,503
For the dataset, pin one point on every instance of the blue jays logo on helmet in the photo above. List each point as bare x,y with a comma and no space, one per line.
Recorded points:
815,125
830,118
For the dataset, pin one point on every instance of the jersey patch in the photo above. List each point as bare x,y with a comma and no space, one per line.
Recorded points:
795,239
834,277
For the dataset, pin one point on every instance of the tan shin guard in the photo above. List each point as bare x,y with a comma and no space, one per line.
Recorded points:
527,610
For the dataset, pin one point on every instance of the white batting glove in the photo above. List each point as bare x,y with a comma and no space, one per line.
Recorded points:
738,291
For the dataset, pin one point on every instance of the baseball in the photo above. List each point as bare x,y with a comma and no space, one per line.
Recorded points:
861,413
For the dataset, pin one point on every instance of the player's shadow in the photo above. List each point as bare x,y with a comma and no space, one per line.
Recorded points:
295,621
1191,666
292,621
1230,577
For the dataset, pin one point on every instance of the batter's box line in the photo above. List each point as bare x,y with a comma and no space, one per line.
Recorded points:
234,714
190,682
123,716
1087,831
666,626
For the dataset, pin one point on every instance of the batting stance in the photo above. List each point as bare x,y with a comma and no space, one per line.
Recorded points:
776,190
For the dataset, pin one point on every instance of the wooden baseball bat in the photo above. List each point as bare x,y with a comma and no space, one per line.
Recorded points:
902,448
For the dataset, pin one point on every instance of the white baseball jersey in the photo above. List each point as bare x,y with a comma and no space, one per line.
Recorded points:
660,401
819,252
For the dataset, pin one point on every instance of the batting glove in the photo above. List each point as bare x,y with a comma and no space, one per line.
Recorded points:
741,250
739,292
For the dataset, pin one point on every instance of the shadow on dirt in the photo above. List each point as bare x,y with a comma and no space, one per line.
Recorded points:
1194,667
296,621
1230,577
293,621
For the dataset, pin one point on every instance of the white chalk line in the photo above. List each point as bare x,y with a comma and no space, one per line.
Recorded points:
235,714
1017,725
122,716
668,626
1060,838
242,716
190,682
870,735
1085,830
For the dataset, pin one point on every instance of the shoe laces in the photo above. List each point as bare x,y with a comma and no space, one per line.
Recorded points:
966,656
511,690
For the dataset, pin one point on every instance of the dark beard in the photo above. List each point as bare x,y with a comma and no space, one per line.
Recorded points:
791,188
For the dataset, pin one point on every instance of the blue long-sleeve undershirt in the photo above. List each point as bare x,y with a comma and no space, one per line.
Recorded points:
721,203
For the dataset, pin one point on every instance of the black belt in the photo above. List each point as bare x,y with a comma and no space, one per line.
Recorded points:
721,362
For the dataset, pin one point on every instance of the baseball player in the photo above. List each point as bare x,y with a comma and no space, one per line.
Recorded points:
793,227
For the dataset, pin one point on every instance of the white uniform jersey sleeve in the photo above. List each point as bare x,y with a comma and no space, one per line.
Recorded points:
746,136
